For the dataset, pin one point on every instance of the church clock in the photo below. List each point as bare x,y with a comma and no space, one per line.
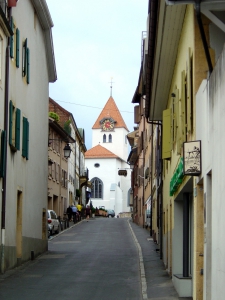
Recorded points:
107,125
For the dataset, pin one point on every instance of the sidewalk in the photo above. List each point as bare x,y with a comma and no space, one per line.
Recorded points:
159,284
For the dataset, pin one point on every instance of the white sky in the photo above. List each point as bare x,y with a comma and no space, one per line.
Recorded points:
95,41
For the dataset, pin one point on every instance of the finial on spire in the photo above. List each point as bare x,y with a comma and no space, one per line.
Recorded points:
111,86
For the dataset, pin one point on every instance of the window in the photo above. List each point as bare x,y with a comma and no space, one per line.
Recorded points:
25,149
14,127
14,44
104,138
110,138
97,165
97,188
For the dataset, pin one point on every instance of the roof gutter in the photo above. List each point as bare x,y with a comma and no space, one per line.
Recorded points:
202,32
153,11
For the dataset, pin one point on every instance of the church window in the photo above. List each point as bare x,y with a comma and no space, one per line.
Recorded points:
104,138
97,188
110,138
97,165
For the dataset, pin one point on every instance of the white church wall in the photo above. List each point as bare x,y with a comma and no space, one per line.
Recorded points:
108,173
118,138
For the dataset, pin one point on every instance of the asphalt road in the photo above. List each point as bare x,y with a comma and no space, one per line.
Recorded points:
94,260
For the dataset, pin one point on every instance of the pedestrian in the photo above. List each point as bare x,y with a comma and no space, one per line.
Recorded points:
82,211
88,212
74,212
69,212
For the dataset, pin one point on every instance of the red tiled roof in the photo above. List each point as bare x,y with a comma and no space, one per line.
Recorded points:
99,152
110,110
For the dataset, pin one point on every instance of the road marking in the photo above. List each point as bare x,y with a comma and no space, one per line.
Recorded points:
52,256
66,242
141,264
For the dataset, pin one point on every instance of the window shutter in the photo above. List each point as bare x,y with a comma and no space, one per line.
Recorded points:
17,140
11,38
25,147
25,58
166,141
136,114
3,153
10,121
28,65
17,48
27,140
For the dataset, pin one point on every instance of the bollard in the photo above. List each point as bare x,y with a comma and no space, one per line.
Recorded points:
32,254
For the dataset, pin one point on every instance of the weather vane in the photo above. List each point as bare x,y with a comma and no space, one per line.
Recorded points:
111,86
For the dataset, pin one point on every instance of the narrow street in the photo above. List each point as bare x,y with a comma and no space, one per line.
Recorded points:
93,260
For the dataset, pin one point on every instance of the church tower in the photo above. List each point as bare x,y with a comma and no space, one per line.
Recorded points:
107,156
110,130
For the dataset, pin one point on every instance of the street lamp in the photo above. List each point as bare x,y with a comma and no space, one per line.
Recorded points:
67,150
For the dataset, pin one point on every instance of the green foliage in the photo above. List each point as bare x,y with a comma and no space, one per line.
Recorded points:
67,127
93,210
54,116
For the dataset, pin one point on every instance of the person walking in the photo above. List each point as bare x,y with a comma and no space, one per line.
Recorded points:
69,213
74,211
88,212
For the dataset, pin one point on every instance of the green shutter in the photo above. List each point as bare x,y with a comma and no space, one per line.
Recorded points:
17,141
27,143
11,39
17,48
28,65
10,121
3,154
166,142
25,146
24,137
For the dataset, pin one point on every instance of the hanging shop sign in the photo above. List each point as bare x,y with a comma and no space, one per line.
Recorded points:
192,158
122,172
177,177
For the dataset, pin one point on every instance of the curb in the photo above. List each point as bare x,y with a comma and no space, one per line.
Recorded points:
141,264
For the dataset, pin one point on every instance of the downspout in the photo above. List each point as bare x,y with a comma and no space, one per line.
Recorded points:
202,32
4,179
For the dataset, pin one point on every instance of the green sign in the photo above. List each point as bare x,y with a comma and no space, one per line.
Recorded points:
177,177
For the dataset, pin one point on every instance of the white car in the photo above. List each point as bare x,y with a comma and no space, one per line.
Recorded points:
53,222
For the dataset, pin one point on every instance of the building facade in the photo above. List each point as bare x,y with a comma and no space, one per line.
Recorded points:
30,66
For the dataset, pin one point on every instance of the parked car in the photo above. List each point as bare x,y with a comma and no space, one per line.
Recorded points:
49,231
53,222
110,213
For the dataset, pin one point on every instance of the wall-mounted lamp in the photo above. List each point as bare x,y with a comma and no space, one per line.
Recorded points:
67,150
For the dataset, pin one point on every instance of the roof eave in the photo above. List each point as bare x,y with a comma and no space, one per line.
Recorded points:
45,19
169,26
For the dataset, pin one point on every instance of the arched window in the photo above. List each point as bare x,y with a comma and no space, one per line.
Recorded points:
97,188
104,138
110,138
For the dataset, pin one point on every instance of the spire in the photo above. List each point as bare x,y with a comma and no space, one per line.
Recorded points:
111,87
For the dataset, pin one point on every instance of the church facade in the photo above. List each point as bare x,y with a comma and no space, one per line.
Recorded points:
107,156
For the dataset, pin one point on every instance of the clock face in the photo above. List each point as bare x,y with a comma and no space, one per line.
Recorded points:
107,125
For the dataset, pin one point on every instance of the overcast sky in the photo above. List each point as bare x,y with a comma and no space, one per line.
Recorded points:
95,41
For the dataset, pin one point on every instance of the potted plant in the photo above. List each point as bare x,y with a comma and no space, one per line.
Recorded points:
93,212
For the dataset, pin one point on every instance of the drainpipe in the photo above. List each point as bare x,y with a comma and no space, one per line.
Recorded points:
202,32
4,179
